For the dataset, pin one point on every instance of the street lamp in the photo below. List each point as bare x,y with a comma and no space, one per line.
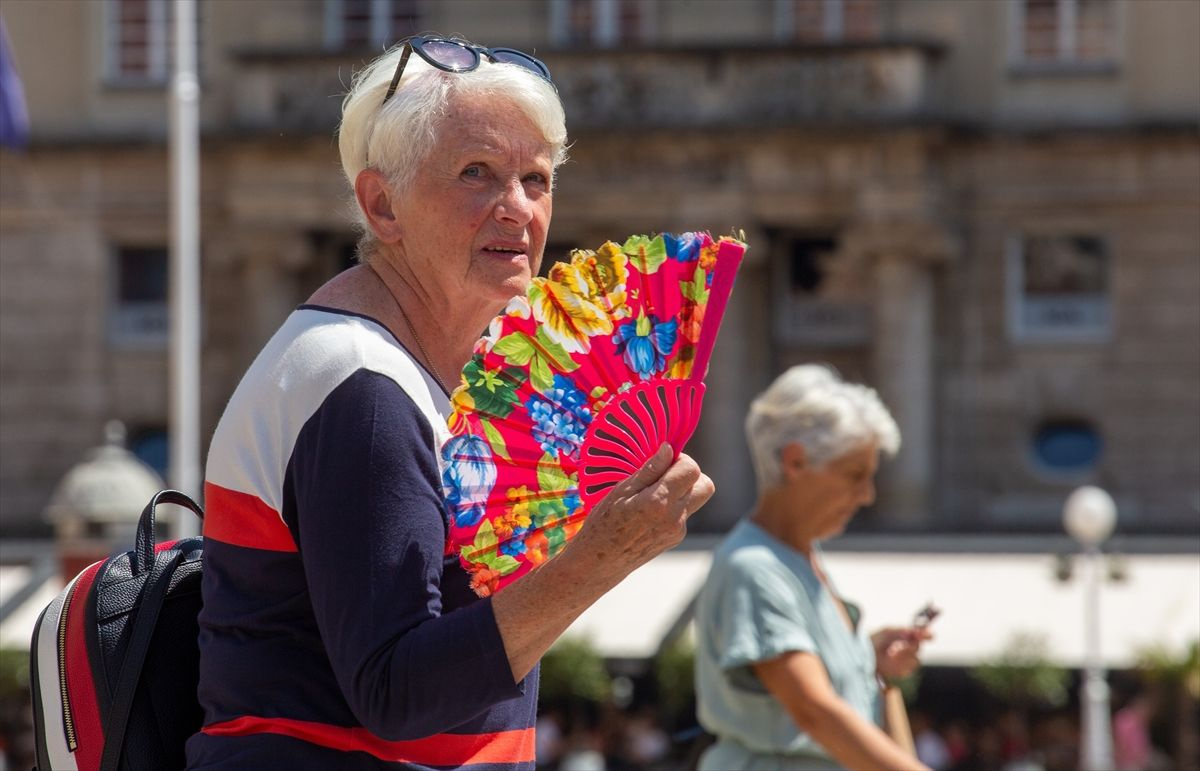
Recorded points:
1089,515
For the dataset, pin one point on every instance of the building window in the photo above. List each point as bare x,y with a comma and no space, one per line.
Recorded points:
151,445
809,311
139,41
1067,447
1065,32
139,314
1059,288
828,21
601,23
359,24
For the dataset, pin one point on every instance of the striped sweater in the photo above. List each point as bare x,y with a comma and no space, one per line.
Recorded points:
334,632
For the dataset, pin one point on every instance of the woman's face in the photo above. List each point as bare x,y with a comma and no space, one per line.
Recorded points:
830,495
474,219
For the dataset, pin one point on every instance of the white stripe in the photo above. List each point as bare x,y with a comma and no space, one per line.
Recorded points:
48,684
311,354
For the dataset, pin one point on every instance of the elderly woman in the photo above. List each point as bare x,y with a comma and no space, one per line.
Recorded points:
335,634
785,678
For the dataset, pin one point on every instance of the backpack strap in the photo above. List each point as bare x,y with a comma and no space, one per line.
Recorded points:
154,593
143,548
153,596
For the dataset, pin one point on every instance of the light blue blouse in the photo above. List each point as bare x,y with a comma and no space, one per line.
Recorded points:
762,600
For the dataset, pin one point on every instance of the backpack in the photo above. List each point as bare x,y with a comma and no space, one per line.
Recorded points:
114,660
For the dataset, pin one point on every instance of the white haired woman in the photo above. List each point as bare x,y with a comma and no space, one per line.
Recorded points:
335,634
785,678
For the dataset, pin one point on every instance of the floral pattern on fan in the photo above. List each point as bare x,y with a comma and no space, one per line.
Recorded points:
572,388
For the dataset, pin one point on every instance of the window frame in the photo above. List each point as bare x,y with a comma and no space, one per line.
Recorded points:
1019,328
158,44
1065,60
380,33
123,317
606,24
1058,474
833,22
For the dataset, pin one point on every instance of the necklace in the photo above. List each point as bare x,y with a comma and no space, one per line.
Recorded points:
421,346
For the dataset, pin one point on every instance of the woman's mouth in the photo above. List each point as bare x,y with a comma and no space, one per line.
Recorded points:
504,252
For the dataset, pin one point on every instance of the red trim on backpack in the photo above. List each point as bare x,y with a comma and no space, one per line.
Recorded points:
440,750
81,688
242,519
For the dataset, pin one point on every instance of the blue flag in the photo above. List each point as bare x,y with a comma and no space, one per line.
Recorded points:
14,119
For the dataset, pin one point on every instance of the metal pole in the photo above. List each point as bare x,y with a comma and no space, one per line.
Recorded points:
184,424
1097,724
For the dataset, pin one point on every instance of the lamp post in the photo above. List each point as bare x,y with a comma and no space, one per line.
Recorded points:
1089,515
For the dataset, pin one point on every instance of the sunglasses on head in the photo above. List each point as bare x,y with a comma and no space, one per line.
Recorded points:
457,56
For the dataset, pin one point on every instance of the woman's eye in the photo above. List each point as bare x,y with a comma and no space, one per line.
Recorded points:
474,170
537,178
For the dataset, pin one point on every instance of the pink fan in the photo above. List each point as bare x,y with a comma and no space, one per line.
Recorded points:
573,388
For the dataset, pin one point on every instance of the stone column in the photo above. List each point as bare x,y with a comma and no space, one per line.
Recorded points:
272,262
739,369
904,256
902,359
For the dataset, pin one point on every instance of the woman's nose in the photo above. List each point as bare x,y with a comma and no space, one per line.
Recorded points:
868,492
514,205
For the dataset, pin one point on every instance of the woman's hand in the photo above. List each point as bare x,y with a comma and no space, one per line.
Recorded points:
647,513
897,649
642,517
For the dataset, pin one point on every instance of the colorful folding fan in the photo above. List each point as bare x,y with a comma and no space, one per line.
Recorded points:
573,388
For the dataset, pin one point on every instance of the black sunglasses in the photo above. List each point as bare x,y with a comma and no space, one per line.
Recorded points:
457,56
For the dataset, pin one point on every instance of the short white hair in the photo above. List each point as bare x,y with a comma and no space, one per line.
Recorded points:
397,137
811,405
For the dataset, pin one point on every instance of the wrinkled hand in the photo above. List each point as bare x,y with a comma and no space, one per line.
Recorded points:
647,513
897,649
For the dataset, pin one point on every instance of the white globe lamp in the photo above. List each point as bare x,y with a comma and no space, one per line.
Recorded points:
1090,515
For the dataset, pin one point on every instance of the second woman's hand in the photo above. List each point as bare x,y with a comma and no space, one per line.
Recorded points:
897,650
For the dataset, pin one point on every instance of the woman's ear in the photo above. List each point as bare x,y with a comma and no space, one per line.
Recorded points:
793,459
375,198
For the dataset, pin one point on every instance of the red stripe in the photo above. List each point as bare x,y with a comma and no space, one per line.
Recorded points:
439,750
242,519
81,689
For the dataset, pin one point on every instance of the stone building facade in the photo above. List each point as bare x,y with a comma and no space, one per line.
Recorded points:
989,211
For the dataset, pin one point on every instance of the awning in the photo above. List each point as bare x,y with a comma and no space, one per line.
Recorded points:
986,601
25,589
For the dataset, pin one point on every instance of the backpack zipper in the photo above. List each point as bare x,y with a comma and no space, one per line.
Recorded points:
68,718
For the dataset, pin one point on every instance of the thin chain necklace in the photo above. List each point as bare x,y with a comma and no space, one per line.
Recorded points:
420,346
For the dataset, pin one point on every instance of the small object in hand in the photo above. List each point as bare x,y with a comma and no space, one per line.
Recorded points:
926,615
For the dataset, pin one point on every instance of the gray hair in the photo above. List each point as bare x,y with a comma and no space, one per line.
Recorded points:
397,137
811,405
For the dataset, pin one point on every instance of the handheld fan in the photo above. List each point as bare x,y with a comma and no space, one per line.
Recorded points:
573,388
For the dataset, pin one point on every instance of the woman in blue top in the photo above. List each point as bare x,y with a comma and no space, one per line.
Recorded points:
785,678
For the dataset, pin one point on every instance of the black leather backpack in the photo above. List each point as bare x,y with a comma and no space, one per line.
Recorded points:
115,658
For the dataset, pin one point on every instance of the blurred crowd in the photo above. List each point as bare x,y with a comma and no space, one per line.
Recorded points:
591,737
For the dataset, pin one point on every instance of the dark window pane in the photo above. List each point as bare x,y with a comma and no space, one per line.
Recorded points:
805,266
134,10
1067,446
405,19
142,275
630,21
861,19
152,447
356,23
809,19
1065,265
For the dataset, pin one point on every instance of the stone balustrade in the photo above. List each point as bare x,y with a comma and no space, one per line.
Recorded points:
644,89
